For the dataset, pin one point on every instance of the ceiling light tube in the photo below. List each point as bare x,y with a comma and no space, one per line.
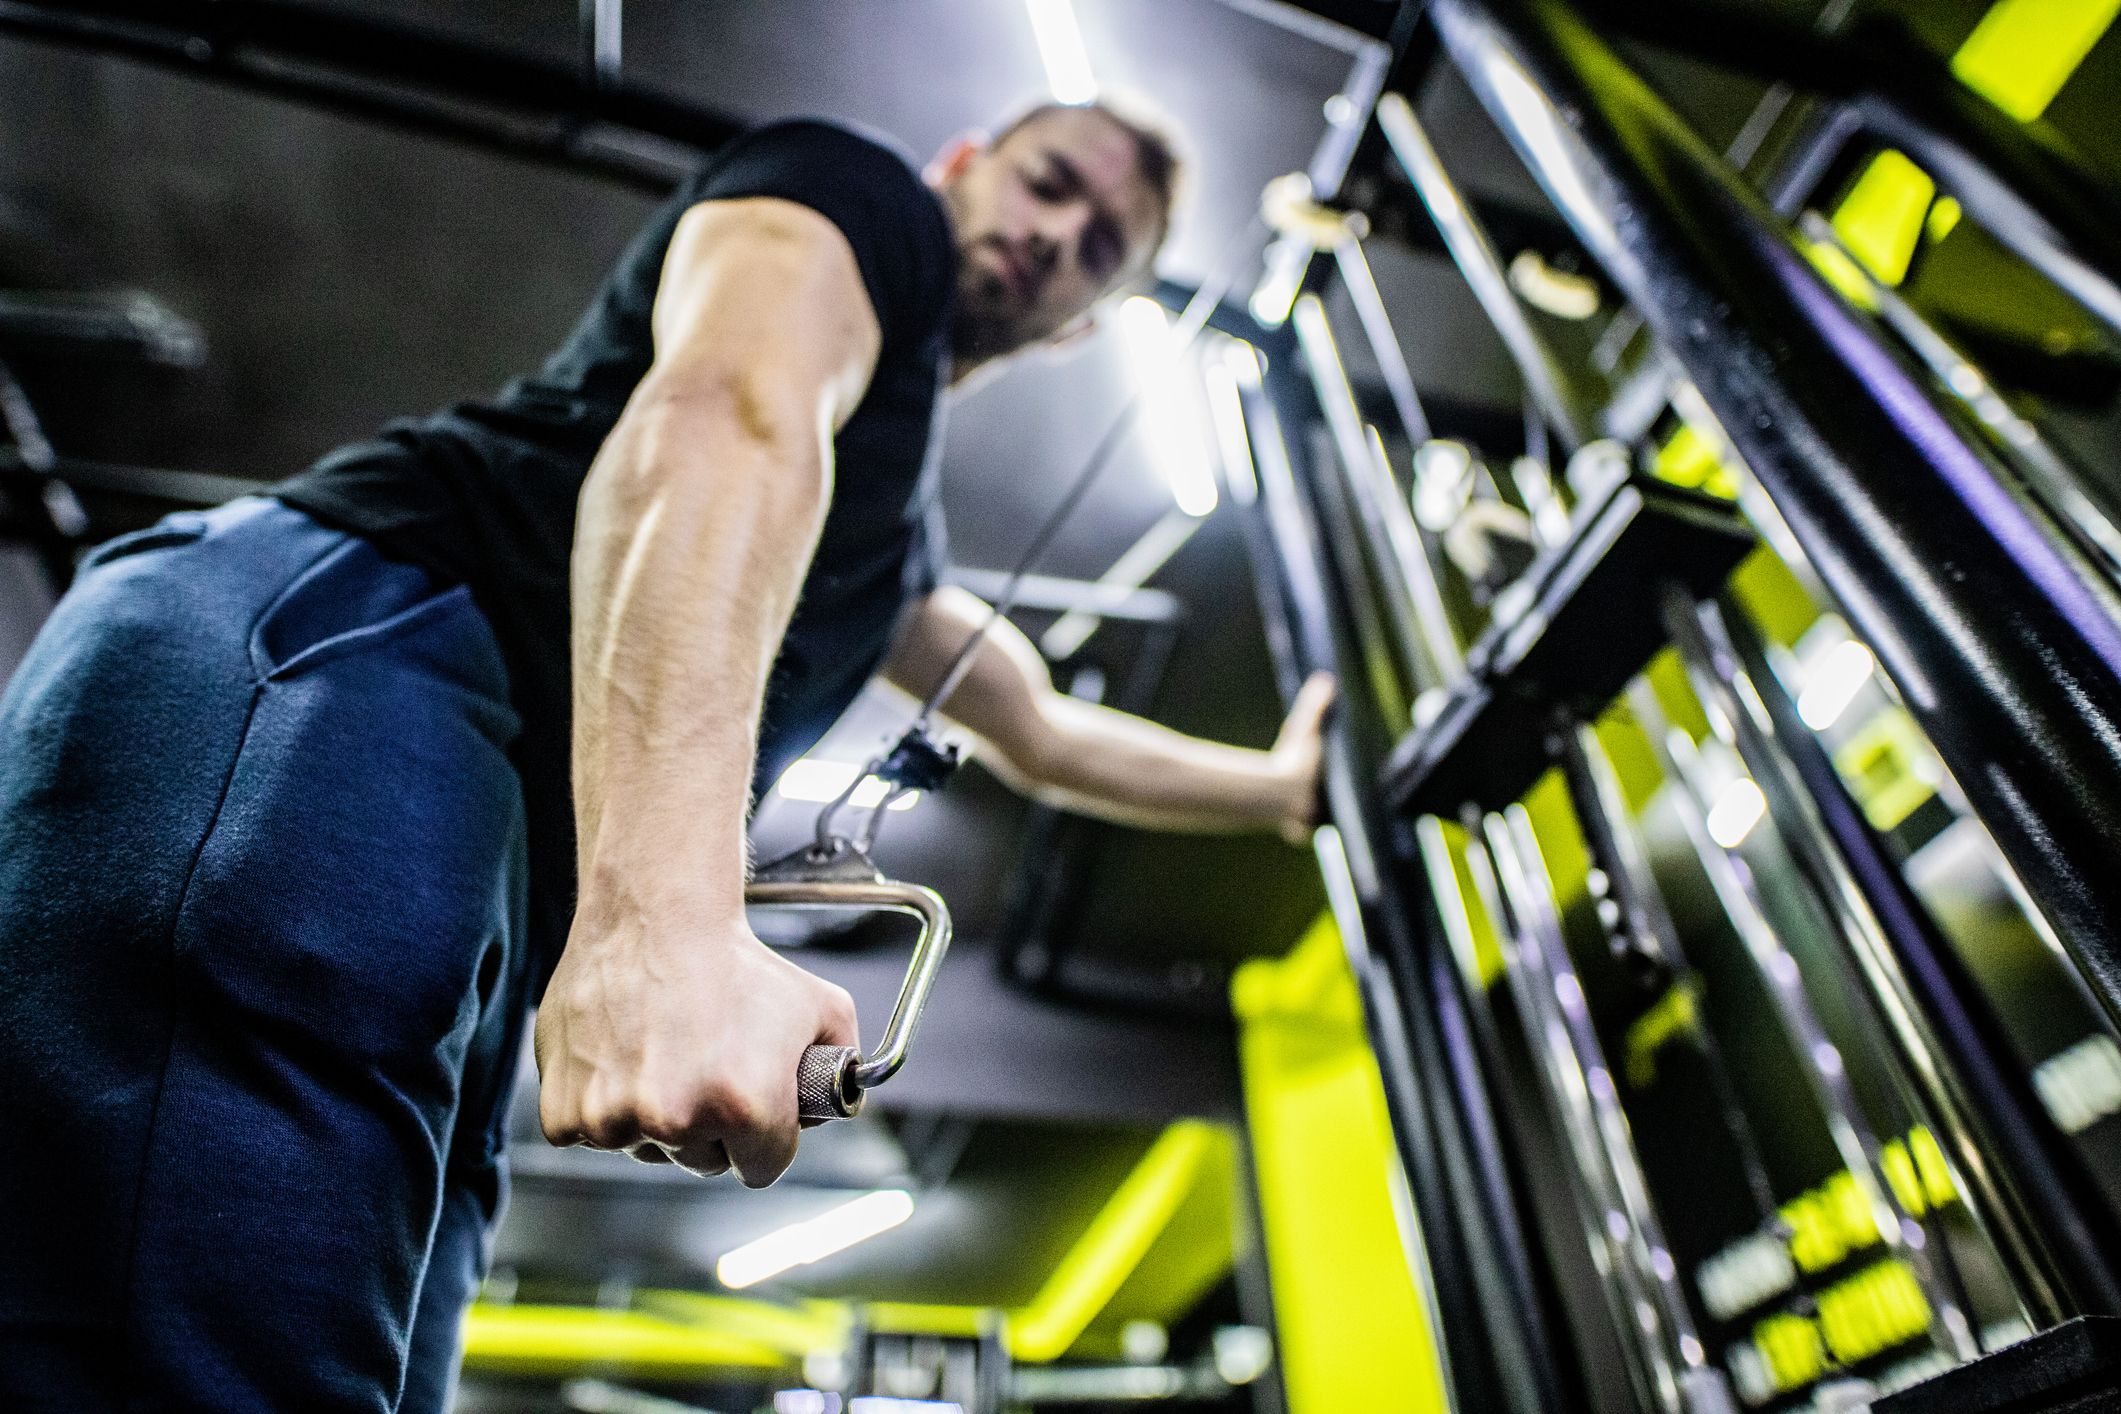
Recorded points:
819,780
813,1239
1060,48
1170,420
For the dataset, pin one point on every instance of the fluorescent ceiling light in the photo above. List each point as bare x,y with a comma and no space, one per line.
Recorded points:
1739,807
1832,682
1226,409
1060,48
800,1244
816,779
1169,407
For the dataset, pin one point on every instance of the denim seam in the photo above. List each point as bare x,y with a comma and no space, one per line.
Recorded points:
352,640
261,662
154,1113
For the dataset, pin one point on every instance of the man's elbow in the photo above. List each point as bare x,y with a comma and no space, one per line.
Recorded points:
1035,751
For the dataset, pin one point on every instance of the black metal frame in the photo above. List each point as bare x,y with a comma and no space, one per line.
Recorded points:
2007,651
1498,1323
2002,636
2023,181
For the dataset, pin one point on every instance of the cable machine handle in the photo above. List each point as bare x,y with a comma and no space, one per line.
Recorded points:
832,1081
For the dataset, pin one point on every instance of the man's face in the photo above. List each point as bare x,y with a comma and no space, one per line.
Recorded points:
1048,221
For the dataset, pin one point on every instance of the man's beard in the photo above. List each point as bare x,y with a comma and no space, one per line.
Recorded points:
976,338
980,328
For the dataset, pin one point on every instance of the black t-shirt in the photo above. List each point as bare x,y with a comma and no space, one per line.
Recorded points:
485,493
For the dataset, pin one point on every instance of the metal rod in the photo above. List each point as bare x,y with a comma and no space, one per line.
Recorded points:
2044,1221
1347,118
1619,1216
601,61
1854,1137
1344,899
2046,473
1341,529
2002,640
1545,379
2070,246
1124,576
1384,340
1307,629
1582,1168
1413,600
191,489
1632,910
1349,868
1935,1056
1057,595
1536,1386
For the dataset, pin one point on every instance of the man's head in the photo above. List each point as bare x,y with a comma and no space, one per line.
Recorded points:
1059,209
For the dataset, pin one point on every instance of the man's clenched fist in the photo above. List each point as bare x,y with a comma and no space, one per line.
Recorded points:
674,1034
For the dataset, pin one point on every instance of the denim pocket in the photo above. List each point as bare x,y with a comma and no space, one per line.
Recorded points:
181,528
350,598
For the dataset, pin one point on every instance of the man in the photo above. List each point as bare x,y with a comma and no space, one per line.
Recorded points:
284,814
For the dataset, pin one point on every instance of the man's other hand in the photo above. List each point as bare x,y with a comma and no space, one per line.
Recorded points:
676,1039
1299,752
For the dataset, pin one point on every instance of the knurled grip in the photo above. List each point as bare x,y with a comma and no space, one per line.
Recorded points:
825,1084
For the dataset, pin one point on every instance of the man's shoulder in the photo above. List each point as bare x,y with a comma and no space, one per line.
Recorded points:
824,148
869,187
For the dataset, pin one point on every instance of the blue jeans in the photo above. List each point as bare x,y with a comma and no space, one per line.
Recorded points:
262,975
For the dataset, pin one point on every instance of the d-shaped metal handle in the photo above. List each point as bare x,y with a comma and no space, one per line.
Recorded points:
832,1081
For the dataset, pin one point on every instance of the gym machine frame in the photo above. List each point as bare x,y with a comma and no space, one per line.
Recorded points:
2013,655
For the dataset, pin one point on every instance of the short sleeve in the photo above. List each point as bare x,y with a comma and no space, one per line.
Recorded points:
868,189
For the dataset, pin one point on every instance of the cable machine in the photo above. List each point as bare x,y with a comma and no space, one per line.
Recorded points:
1709,1094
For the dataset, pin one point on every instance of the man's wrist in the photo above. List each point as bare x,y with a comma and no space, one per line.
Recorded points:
658,901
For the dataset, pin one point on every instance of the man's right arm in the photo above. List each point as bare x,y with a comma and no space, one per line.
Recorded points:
667,1025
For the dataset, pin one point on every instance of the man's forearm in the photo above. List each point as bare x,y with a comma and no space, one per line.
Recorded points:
1124,768
690,549
1093,759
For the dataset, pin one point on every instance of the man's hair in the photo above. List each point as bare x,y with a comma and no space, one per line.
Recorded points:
1156,151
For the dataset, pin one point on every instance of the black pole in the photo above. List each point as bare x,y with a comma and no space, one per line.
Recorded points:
1308,627
1486,1236
408,77
2001,641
